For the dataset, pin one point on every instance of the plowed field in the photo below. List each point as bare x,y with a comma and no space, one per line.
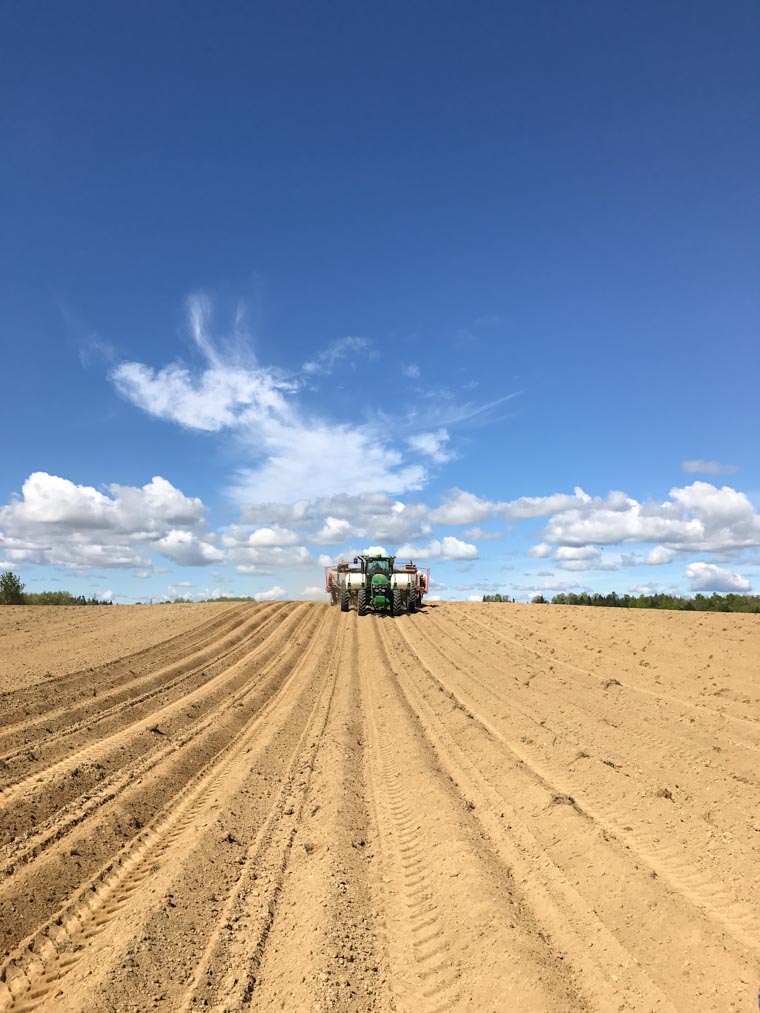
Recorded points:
280,806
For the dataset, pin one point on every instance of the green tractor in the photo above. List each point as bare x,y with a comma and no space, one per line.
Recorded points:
378,592
375,583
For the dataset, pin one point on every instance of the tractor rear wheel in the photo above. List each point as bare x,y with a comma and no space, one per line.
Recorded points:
398,603
345,601
361,602
411,602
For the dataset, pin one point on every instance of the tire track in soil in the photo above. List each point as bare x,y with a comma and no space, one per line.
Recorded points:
203,912
94,712
456,858
616,728
651,647
742,726
716,786
666,860
92,768
28,704
42,960
227,975
147,787
716,970
220,964
639,721
609,977
451,905
325,952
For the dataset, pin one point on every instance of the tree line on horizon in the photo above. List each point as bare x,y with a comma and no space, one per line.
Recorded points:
12,593
715,602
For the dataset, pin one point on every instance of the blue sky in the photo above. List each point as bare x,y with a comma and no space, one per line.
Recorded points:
284,281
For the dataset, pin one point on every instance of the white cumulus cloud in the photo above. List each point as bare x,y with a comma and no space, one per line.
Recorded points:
659,555
444,549
57,522
578,558
249,559
335,530
540,551
267,537
709,577
270,595
59,504
542,506
186,549
462,507
581,552
479,535
310,458
698,517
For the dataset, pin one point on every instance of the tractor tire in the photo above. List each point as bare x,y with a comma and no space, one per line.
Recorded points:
398,603
361,602
345,599
411,603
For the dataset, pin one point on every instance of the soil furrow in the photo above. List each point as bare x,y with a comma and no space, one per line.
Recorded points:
253,904
325,951
623,902
185,911
96,717
600,719
88,767
71,816
439,876
283,806
626,799
747,729
29,701
80,920
35,889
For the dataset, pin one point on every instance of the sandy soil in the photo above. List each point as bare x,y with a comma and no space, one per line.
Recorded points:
279,806
39,643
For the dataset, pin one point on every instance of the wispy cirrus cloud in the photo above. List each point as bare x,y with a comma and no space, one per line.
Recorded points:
432,445
708,467
230,391
286,452
293,453
341,350
441,407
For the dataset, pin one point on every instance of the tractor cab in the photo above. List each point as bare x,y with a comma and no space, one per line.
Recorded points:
378,566
378,571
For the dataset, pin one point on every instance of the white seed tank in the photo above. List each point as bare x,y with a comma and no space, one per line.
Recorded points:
351,578
403,579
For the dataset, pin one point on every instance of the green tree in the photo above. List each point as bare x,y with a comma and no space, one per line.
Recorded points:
11,589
